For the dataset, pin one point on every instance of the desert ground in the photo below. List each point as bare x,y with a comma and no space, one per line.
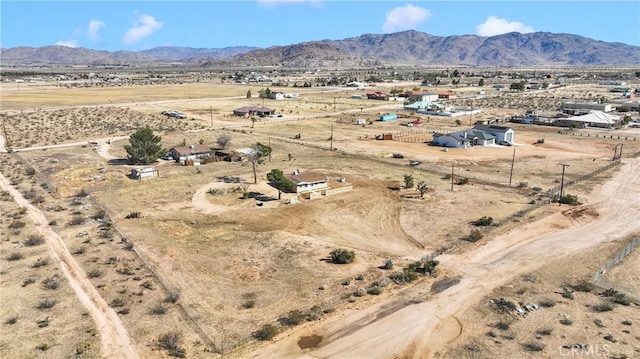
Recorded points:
186,265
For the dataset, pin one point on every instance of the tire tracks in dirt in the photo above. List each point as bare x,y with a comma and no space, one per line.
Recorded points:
113,335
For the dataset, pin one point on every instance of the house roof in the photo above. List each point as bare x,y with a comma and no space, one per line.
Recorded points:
186,150
247,109
307,177
491,128
597,117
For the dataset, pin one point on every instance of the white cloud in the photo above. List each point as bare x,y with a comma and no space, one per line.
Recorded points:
497,26
142,28
94,28
67,43
405,18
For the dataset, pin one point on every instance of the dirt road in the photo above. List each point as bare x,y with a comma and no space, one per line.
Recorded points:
416,325
114,337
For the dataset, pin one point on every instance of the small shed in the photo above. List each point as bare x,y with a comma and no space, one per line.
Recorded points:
388,117
142,173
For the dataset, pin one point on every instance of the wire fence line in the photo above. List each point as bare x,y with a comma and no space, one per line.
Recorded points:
598,278
554,192
598,135
46,184
167,286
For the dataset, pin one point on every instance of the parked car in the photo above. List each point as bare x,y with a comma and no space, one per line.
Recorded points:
504,143
398,155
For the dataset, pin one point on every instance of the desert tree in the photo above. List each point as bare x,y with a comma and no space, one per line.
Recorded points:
280,182
223,140
408,181
258,153
144,146
248,93
480,82
422,188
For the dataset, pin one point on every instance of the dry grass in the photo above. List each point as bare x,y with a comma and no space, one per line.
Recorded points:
274,252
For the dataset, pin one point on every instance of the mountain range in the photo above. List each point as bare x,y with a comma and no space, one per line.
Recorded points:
401,48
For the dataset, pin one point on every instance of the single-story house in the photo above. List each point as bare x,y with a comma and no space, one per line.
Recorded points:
253,110
501,133
423,96
275,95
592,119
447,94
308,181
579,108
464,139
424,105
184,153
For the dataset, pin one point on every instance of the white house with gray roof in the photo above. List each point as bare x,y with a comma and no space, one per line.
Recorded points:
480,135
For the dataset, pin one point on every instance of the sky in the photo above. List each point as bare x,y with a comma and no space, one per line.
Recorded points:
140,25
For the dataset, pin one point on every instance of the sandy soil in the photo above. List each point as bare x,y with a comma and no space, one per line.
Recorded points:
115,339
366,333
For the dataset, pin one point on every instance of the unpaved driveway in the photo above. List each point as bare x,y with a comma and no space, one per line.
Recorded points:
114,337
414,325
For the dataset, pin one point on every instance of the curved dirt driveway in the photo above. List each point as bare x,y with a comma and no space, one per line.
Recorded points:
114,337
413,325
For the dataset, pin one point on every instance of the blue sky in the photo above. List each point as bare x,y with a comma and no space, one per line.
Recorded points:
134,26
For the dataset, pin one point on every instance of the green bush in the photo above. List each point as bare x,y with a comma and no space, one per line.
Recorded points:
483,221
342,256
267,332
474,236
570,200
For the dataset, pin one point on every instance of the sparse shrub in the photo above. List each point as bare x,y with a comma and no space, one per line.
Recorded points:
248,304
123,311
610,338
133,215
599,323
360,292
16,224
46,304
533,346
99,215
547,303
627,322
79,250
540,140
388,264
33,240
43,323
15,256
544,331
81,194
483,221
403,276
267,332
375,290
128,245
523,184
570,199
51,283
621,298
147,284
536,189
295,317
158,309
360,277
95,273
566,321
172,297
118,302
29,171
28,280
474,236
502,325
76,220
43,347
106,234
11,320
583,286
491,334
172,342
602,307
463,181
342,256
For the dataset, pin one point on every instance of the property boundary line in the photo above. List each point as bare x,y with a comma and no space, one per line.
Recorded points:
47,185
598,279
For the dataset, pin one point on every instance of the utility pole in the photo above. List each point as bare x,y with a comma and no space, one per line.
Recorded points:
270,151
562,183
513,159
331,139
452,165
211,108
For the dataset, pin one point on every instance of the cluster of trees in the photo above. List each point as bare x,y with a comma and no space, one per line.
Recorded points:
421,186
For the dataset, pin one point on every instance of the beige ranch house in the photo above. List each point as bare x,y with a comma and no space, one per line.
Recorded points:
308,181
